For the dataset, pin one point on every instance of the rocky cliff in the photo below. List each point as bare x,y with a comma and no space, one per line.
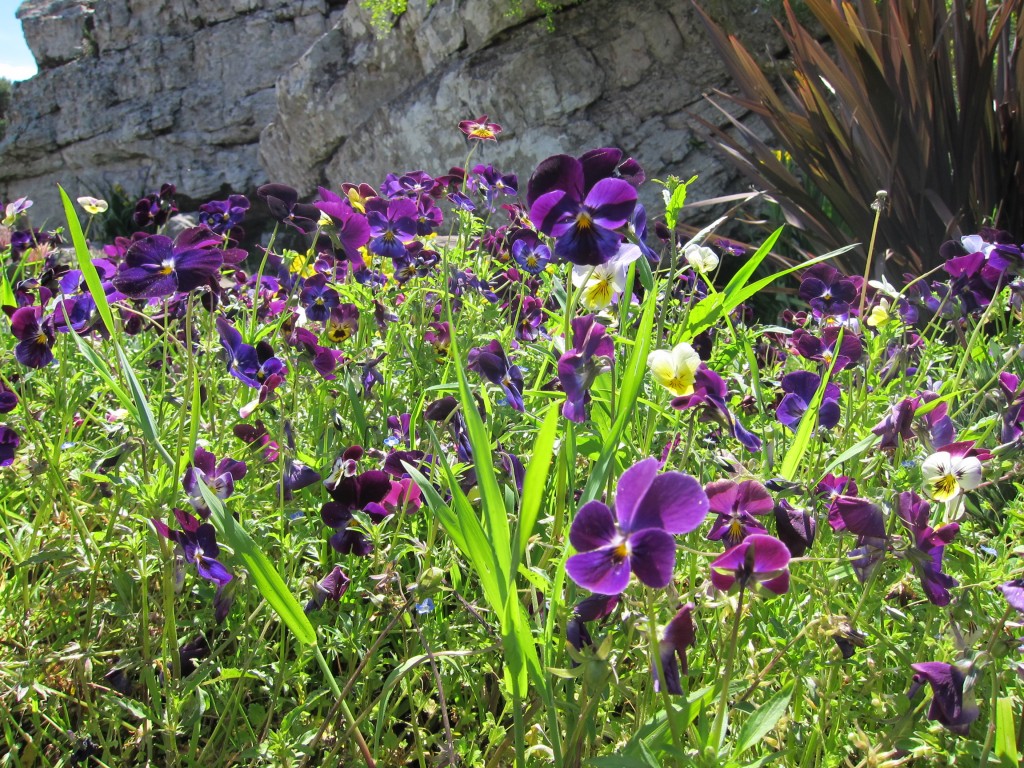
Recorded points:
227,95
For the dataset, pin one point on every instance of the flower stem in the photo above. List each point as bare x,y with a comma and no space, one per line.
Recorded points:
655,651
329,676
715,739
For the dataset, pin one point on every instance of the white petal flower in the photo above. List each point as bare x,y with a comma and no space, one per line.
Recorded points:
701,258
92,205
675,369
946,476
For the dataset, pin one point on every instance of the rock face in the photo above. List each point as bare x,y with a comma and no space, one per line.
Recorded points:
227,95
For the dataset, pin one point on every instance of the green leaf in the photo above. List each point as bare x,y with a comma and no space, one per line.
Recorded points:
1006,738
763,720
92,277
143,415
262,572
676,201
536,481
808,423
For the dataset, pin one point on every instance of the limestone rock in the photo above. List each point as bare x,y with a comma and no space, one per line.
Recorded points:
221,97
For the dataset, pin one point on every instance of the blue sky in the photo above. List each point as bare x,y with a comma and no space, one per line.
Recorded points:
16,62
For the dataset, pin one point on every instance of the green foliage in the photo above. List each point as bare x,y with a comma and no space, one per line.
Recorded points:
920,99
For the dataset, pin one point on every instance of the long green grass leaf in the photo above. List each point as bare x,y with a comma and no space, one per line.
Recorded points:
536,481
143,414
92,277
262,572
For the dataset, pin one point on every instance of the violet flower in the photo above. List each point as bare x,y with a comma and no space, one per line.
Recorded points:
795,527
198,545
929,543
736,505
331,587
219,477
493,364
592,354
253,366
529,252
284,205
157,266
593,608
392,225
582,218
35,337
318,298
480,129
800,388
9,442
351,227
222,216
709,391
636,538
951,705
678,635
758,559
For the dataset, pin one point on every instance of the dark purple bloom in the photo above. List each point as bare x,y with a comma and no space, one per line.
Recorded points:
679,635
493,183
800,388
253,366
593,608
256,435
1013,591
222,216
198,544
1013,413
493,364
951,705
827,291
759,558
831,488
438,336
157,208
409,185
825,349
8,398
591,354
709,390
284,205
157,266
867,521
926,554
35,337
581,217
529,252
649,509
392,225
351,489
9,442
331,587
296,477
736,505
795,527
343,323
898,423
219,477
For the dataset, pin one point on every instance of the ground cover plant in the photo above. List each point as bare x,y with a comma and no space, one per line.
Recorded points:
459,470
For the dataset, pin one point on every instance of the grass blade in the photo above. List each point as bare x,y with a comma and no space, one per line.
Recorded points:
262,572
92,277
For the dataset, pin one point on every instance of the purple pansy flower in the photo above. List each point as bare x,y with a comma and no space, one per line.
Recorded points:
866,520
219,477
736,505
591,354
758,559
800,388
929,543
351,226
331,587
636,538
9,442
222,216
253,366
583,218
795,527
392,225
679,634
709,390
529,252
157,266
493,364
318,298
593,608
284,205
951,705
35,337
828,347
198,544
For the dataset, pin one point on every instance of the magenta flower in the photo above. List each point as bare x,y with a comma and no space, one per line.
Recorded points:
736,505
929,543
709,391
636,538
480,129
758,559
951,704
